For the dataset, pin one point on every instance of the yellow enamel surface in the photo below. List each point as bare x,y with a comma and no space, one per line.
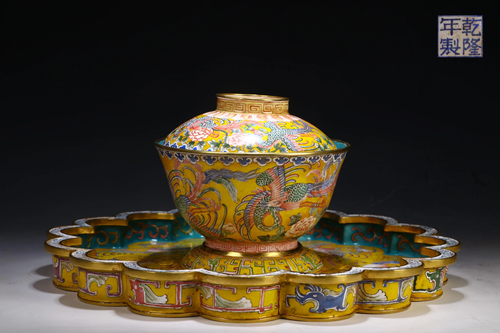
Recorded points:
428,285
141,250
176,297
239,302
248,133
397,296
101,287
303,260
64,273
184,298
218,211
313,310
335,256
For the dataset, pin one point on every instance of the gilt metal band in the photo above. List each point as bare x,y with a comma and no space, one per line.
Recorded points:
252,103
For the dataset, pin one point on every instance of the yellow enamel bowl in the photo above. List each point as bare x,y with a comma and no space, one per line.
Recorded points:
249,176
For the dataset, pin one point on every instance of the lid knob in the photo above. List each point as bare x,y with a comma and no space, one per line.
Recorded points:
252,103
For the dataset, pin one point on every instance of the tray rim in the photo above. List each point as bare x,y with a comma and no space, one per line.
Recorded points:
444,254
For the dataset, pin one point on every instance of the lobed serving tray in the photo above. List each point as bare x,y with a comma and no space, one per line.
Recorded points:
371,264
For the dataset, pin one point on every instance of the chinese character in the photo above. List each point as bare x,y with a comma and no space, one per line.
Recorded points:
449,44
450,26
472,46
467,26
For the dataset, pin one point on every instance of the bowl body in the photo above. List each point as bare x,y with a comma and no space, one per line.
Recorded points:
248,203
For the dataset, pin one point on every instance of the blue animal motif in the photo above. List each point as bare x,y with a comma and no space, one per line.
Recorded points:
285,135
323,299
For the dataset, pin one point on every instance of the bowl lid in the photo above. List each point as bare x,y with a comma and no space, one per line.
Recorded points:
249,123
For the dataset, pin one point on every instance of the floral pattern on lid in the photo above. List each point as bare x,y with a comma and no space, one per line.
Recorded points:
249,124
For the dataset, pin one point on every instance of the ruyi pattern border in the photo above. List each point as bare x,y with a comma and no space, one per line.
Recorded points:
228,159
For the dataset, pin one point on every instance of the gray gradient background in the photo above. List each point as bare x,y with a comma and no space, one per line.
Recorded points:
88,88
